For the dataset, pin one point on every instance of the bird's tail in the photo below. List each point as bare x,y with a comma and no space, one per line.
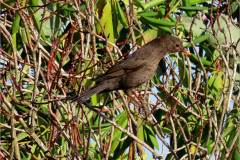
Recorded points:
83,96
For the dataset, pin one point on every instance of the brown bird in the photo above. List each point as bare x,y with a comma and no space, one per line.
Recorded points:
135,69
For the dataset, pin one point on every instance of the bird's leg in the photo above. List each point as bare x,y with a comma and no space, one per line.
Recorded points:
144,104
128,93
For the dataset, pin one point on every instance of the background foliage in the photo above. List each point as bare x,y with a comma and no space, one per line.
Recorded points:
190,108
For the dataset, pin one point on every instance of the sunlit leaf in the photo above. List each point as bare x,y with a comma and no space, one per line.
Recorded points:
197,27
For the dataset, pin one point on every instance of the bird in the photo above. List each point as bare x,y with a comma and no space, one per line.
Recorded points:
136,69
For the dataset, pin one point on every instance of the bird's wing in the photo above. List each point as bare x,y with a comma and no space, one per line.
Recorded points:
123,67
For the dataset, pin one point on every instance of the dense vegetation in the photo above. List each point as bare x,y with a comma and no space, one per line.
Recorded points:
190,108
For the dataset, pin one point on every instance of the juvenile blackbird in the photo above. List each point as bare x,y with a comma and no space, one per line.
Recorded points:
135,69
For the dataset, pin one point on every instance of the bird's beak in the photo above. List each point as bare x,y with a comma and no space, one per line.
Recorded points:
185,51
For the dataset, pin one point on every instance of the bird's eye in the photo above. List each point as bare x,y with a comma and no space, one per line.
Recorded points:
177,45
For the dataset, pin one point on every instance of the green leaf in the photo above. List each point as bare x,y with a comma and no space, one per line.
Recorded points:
152,4
156,22
173,3
50,26
24,36
148,14
210,81
68,7
21,136
145,156
106,21
21,108
192,2
126,2
200,39
117,133
193,8
221,36
218,83
115,19
173,6
235,9
8,2
37,25
150,35
121,16
109,29
23,156
230,140
95,99
15,29
207,49
231,128
151,139
186,3
63,145
217,86
16,24
196,27
185,81
140,132
236,154
33,3
167,29
205,62
138,4
237,77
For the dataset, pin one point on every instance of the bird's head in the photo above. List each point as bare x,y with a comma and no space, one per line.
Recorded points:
173,44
